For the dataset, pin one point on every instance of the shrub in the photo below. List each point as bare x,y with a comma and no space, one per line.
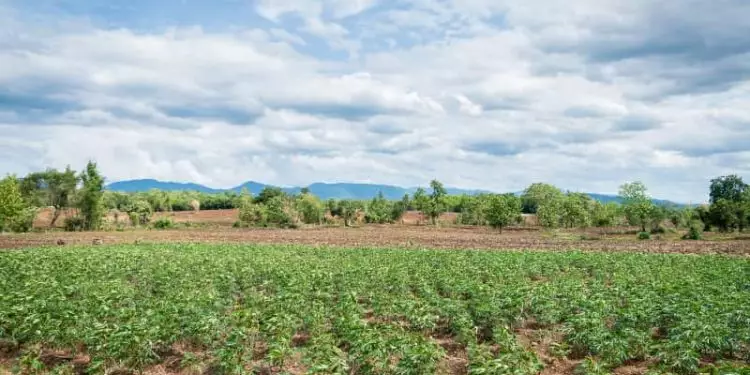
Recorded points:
658,230
644,236
252,214
695,232
74,224
24,221
163,223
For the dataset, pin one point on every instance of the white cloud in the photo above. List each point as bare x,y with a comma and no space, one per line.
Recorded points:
476,93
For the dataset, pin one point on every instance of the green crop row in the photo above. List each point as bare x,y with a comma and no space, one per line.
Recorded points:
285,309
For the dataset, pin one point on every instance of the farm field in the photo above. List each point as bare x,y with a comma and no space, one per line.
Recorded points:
233,308
401,236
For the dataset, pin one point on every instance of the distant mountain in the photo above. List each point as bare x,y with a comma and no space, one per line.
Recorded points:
320,189
132,186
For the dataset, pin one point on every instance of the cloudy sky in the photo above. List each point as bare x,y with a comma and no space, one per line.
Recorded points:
490,94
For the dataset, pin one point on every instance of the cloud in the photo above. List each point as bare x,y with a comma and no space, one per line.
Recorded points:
479,94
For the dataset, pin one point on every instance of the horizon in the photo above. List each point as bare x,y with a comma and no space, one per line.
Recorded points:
481,95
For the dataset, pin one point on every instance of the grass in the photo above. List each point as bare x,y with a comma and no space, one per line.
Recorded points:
288,309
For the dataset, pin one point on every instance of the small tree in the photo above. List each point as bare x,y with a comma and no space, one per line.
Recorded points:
379,210
311,209
399,208
503,210
50,188
11,202
576,210
436,205
723,214
421,201
637,204
91,203
549,213
349,209
605,214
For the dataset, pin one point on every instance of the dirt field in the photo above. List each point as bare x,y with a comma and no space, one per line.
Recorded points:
410,236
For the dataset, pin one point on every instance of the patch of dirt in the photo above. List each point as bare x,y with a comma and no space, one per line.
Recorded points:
300,339
639,368
403,236
539,339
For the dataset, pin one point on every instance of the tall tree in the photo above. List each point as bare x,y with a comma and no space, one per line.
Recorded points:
437,201
91,202
637,204
421,201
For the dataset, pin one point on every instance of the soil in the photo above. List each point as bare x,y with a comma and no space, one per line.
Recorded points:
397,235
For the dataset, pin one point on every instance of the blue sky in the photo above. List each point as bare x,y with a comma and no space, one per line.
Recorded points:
585,94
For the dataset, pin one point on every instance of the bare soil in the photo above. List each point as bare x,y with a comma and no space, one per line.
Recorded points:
407,236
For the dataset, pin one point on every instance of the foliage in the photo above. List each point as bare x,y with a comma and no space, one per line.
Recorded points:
379,210
421,201
539,194
399,208
24,221
280,211
644,235
730,188
253,214
695,231
11,202
349,209
74,224
473,209
163,223
723,215
549,212
436,204
605,214
310,208
637,205
503,210
576,210
267,194
372,312
139,211
50,188
91,203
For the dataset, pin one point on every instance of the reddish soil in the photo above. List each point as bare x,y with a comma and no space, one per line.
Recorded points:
409,236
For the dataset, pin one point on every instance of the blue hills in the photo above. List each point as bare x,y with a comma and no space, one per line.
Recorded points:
320,189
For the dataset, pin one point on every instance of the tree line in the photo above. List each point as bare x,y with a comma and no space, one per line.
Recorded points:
84,194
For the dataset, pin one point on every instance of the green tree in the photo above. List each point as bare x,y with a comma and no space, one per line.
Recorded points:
399,208
549,213
11,202
730,188
538,194
504,210
50,188
637,204
91,202
576,210
310,208
474,209
379,210
436,205
421,201
349,209
268,193
723,215
605,214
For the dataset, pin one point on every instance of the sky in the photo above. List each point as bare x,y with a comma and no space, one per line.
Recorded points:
483,94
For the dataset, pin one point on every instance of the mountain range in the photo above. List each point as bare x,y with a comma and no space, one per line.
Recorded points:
320,189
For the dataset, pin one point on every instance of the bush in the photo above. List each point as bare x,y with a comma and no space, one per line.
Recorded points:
695,232
74,224
658,230
24,221
252,214
163,223
644,236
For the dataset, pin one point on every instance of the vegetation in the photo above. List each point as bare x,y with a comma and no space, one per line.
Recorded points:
241,309
91,204
11,203
504,210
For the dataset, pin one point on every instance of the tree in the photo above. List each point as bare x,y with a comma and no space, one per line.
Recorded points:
11,202
399,208
576,210
379,210
730,188
605,214
538,194
421,201
268,193
91,202
436,204
723,214
349,210
50,188
311,209
637,204
549,213
503,210
474,209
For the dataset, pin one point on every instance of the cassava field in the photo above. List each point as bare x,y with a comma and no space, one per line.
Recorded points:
265,309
